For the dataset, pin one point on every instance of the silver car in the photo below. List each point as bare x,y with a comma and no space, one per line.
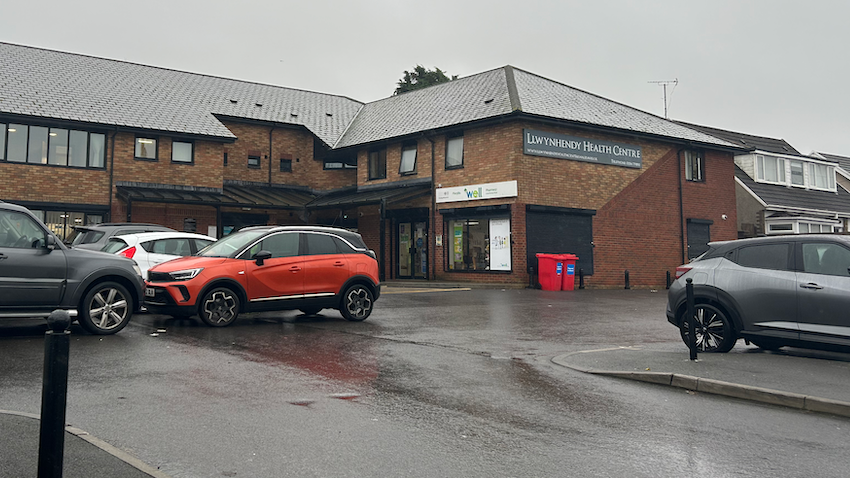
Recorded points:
770,291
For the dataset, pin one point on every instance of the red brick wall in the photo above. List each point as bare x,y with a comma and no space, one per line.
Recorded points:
39,183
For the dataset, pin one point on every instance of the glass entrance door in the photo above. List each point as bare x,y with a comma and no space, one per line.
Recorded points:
412,250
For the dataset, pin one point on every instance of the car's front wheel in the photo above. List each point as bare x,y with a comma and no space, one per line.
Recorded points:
219,307
106,308
714,331
356,303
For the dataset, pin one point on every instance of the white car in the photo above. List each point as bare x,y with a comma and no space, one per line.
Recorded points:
151,248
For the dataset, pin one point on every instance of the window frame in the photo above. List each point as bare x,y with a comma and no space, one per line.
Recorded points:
448,234
761,169
695,158
138,140
379,161
407,148
830,178
285,161
191,152
259,161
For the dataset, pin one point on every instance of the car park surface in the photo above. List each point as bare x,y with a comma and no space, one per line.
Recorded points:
269,268
39,274
772,291
148,249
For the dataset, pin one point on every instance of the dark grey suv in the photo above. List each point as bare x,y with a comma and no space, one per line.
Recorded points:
39,274
771,291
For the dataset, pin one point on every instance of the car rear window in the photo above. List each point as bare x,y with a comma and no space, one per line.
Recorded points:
114,245
765,256
85,236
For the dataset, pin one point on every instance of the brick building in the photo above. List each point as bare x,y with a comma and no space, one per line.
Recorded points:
464,181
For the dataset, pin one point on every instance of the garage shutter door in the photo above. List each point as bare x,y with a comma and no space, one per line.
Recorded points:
560,233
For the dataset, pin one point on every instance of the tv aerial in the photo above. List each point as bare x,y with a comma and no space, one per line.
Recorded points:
664,84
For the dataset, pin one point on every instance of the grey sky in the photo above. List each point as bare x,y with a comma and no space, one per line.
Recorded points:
771,68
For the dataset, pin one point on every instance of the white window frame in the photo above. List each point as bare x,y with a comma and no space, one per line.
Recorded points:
829,177
692,159
761,169
407,165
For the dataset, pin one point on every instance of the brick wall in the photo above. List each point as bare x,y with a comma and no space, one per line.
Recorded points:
39,183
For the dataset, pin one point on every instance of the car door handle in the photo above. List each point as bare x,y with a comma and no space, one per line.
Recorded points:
295,268
3,256
811,285
339,264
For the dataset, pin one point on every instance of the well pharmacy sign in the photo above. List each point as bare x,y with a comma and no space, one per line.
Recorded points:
553,145
474,192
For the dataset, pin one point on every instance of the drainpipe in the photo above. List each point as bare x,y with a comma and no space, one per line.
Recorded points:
432,249
681,204
383,230
111,174
271,129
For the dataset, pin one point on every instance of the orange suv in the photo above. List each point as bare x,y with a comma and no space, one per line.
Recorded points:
269,268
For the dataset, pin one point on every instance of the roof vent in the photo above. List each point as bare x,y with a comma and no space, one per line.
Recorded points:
329,114
487,102
234,101
785,148
259,105
294,115
742,141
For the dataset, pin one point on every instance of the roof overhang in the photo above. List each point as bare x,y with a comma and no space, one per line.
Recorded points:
230,195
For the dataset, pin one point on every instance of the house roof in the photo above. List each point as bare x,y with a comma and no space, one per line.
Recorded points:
843,161
51,84
500,92
748,141
778,196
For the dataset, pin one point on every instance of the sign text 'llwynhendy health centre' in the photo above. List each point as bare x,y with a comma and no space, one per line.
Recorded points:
553,145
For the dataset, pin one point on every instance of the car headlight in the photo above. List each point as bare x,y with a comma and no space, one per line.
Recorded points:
136,268
185,274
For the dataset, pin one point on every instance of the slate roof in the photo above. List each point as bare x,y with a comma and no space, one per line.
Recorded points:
501,92
230,195
748,141
842,161
790,197
51,84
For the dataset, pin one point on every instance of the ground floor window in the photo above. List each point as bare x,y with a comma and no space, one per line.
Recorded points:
62,223
479,244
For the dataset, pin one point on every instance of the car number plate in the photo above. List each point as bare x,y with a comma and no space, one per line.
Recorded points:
149,292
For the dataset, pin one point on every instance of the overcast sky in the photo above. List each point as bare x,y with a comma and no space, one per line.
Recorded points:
773,68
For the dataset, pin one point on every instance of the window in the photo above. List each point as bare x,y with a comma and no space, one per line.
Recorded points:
2,141
78,143
694,166
781,227
254,162
182,152
146,148
58,149
346,163
97,150
171,247
37,152
225,159
771,169
796,173
821,176
828,259
321,244
280,245
17,143
479,244
408,160
19,231
454,153
765,256
285,165
378,164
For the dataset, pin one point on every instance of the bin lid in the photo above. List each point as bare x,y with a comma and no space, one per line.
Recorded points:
558,257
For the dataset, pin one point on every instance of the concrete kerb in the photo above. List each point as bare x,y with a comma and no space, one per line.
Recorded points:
106,447
716,387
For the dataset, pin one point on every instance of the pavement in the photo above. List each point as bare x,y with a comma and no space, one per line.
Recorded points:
808,380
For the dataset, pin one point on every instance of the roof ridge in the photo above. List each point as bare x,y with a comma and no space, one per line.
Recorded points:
513,92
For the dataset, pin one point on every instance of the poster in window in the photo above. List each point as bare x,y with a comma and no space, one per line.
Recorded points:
500,244
458,241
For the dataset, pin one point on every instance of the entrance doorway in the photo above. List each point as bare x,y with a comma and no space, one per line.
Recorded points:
412,250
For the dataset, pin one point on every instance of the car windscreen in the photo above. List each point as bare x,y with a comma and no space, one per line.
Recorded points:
114,245
228,246
85,236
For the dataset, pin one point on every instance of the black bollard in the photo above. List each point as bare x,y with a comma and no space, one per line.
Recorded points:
581,278
668,280
691,318
51,444
628,286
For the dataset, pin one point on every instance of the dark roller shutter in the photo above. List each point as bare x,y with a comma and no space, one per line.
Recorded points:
560,232
699,235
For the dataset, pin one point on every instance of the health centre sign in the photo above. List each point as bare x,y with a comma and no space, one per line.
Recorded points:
553,145
505,189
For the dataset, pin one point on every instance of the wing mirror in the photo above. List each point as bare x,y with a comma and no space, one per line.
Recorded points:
262,256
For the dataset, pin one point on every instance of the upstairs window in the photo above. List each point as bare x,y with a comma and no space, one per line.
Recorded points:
821,176
796,168
182,152
285,165
454,153
253,162
378,164
22,143
146,148
770,169
408,160
694,166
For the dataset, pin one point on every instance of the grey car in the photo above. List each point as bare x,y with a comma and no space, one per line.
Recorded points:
39,274
770,291
95,236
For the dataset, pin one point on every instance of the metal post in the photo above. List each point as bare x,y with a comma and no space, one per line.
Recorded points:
581,279
668,280
691,318
628,286
54,393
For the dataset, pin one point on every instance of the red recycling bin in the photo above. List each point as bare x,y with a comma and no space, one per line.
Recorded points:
556,271
568,278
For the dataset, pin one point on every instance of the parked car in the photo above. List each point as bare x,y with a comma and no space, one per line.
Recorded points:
94,236
39,274
770,291
148,249
269,268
